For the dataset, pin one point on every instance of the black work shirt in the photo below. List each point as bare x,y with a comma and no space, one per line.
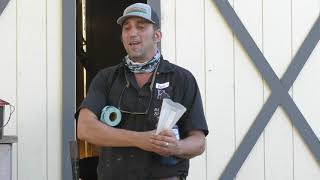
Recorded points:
109,88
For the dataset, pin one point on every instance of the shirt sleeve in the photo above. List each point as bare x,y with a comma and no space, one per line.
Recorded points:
97,95
194,118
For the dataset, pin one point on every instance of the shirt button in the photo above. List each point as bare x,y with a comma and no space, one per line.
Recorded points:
131,156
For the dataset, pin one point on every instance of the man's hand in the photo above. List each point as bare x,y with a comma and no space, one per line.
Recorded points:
143,140
166,143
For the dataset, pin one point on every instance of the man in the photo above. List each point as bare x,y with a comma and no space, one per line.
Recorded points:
137,86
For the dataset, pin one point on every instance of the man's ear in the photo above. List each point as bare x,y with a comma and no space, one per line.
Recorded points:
158,35
121,38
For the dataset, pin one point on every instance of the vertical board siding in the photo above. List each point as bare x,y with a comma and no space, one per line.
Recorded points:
54,90
190,54
234,90
31,83
8,62
168,25
219,90
277,50
195,36
306,88
248,89
8,65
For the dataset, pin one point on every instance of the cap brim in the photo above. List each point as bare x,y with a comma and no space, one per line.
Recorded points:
123,18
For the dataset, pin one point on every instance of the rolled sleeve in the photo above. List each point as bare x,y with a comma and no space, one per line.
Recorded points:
194,118
97,95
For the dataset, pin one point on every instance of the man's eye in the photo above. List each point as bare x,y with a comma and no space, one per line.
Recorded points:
140,27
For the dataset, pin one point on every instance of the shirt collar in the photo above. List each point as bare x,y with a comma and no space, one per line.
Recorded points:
165,66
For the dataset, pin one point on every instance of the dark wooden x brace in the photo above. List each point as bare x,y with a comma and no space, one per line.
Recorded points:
279,88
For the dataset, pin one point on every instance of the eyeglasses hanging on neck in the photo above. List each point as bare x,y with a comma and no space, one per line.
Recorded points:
150,90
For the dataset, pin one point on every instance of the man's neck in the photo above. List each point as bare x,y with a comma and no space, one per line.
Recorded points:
142,78
148,58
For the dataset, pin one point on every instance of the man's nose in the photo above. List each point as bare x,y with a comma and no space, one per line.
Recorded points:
133,32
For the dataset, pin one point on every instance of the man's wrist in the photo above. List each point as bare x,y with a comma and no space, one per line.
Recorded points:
179,152
182,152
132,138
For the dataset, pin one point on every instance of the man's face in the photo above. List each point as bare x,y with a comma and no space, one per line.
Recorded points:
140,39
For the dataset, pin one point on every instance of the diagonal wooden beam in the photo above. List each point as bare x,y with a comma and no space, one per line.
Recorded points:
278,86
3,5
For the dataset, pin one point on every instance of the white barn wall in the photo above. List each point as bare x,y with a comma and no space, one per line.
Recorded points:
306,88
234,90
31,94
219,94
220,114
54,90
174,16
30,49
192,56
195,36
168,25
277,50
8,89
248,88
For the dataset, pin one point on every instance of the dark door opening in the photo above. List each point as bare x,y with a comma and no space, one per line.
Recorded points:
98,46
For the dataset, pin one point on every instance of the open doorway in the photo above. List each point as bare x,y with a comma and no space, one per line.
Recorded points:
98,46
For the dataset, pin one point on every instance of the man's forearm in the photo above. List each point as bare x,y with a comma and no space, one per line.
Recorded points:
191,146
104,135
95,132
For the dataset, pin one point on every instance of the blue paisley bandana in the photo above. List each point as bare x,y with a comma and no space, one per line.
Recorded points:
145,67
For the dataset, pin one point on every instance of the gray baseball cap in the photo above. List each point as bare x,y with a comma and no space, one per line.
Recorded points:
139,10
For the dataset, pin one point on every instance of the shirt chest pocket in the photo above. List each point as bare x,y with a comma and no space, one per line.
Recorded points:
158,96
